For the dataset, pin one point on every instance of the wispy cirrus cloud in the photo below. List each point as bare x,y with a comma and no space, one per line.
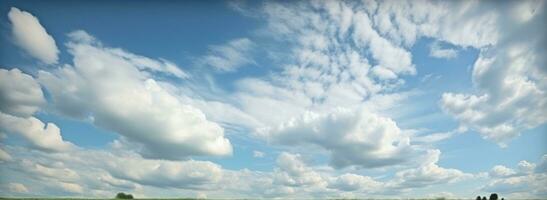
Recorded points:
436,51
230,56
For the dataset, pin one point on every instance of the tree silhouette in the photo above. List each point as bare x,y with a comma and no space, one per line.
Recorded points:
122,195
483,198
493,196
478,198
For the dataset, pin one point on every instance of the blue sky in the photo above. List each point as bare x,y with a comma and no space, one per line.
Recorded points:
273,99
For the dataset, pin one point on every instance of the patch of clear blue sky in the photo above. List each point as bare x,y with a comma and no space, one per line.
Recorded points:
183,31
470,153
173,30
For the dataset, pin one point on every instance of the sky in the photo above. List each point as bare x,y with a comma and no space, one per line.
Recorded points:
273,99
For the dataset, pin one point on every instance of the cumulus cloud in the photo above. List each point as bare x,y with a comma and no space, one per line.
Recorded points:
292,171
30,35
230,56
42,136
436,51
511,84
181,174
427,174
115,89
98,172
501,171
20,97
353,137
94,171
353,182
525,182
20,94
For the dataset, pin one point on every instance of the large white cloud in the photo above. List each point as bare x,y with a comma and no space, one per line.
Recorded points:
510,80
20,94
30,35
20,97
116,90
353,137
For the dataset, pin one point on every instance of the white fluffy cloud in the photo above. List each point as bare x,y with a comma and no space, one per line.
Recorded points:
93,171
20,94
528,181
20,97
99,172
115,89
353,137
501,171
293,172
182,174
30,35
230,56
42,136
353,182
427,174
511,84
